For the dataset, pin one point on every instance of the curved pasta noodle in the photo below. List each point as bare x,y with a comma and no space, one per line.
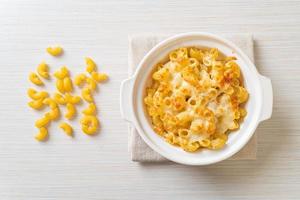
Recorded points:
43,69
205,143
53,114
66,128
67,84
192,146
42,122
50,102
86,94
42,135
80,79
33,94
54,51
59,99
62,73
71,111
33,77
36,104
91,65
92,84
99,77
90,110
60,85
89,124
217,143
72,99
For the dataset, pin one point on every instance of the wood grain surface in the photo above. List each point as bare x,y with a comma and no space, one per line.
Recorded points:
100,167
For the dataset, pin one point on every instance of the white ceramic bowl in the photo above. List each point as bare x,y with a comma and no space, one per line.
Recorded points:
259,105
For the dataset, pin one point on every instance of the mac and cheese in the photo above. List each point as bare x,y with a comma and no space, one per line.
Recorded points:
196,98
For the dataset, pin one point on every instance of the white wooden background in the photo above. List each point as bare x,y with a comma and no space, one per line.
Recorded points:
99,167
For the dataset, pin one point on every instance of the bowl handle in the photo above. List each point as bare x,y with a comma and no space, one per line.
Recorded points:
126,98
267,105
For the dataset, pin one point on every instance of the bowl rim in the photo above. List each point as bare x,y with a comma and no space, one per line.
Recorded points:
243,56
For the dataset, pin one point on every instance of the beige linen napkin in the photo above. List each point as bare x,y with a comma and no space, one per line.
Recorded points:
139,45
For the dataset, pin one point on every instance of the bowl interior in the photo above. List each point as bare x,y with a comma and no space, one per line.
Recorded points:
237,139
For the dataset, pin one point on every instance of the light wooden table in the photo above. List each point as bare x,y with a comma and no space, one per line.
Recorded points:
99,167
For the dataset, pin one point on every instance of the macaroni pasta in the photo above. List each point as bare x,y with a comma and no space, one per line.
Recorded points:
196,98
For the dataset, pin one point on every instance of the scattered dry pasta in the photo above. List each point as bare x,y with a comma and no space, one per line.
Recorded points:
196,97
64,97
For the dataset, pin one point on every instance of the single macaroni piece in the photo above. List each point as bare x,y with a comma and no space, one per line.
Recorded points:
53,114
80,79
92,84
72,99
71,111
58,98
50,102
67,84
60,85
62,73
42,135
90,110
43,70
33,77
91,65
89,124
99,77
36,104
66,128
55,51
33,94
218,143
196,98
43,122
86,94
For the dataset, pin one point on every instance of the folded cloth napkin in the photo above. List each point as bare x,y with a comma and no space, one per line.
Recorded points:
139,45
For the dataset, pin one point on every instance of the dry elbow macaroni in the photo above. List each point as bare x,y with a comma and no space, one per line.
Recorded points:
71,111
64,84
54,51
67,128
33,77
196,98
86,94
90,110
42,70
89,124
42,135
91,65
